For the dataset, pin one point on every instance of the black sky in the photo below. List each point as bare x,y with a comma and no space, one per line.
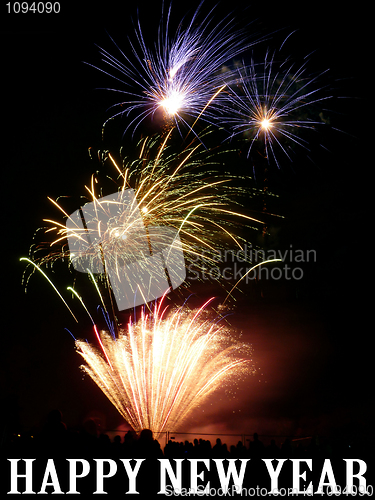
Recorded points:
320,374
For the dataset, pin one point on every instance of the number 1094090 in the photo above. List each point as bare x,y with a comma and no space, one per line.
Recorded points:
33,7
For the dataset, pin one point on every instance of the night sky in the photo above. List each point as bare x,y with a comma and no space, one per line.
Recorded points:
312,345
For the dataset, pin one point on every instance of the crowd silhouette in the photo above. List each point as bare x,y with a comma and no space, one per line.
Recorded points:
55,439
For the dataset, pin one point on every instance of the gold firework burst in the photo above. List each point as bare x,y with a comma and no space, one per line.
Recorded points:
163,366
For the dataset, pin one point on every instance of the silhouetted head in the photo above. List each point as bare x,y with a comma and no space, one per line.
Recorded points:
129,437
90,427
55,416
146,435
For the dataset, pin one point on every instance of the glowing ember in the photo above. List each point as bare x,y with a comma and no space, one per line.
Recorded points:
173,103
265,124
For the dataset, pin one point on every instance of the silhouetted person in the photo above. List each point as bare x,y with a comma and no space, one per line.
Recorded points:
116,446
55,424
286,449
169,449
128,444
147,446
53,437
256,447
206,449
89,437
195,448
273,450
104,445
313,449
217,448
239,450
224,451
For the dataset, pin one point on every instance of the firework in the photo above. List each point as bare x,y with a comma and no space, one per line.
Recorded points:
178,192
181,77
272,104
163,366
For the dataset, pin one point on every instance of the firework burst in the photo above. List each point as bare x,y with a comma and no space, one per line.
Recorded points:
181,77
272,104
180,192
164,366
